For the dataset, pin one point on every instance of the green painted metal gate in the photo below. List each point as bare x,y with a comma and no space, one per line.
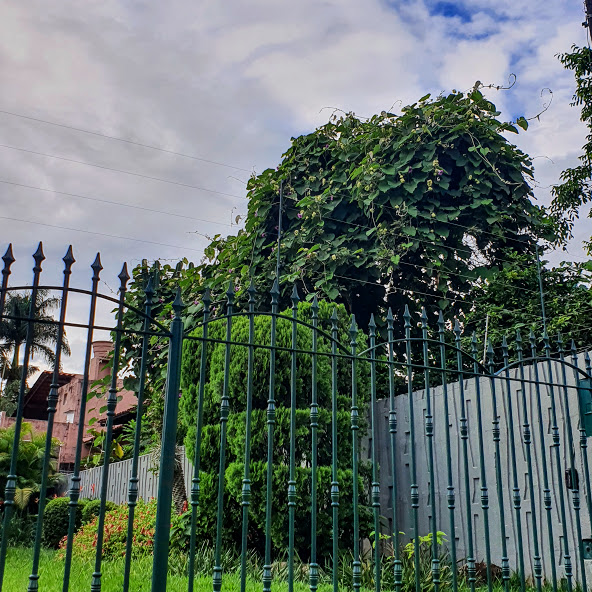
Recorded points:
496,459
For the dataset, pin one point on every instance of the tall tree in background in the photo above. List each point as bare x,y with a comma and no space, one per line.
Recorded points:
13,335
395,210
575,189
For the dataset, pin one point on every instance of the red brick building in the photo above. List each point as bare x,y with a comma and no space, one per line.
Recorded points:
67,415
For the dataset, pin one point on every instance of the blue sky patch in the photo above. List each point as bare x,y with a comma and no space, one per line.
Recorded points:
451,10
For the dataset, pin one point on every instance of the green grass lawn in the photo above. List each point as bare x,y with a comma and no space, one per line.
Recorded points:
51,571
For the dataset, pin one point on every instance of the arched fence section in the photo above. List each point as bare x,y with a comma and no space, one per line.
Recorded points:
395,458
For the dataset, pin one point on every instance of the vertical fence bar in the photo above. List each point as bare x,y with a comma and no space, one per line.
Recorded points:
567,565
167,452
74,492
374,431
292,495
111,404
246,483
516,498
313,575
8,259
464,435
334,454
195,481
429,434
575,490
224,411
546,490
583,438
132,491
585,452
538,571
498,470
356,564
397,564
271,413
483,473
414,488
10,489
52,400
451,497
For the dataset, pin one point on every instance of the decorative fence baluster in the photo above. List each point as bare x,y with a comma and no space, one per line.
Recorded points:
356,564
538,571
516,498
52,400
429,434
567,566
195,481
546,490
498,471
111,404
292,495
10,489
414,491
575,490
583,437
224,411
314,424
74,492
375,493
132,499
483,476
450,497
464,435
397,564
246,483
334,449
271,413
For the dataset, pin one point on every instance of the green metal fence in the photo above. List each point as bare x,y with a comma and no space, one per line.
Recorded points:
506,473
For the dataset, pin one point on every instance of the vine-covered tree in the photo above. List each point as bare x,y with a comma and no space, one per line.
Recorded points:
393,210
402,209
575,189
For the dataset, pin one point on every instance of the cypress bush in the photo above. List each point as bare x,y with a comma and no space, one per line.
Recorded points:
237,392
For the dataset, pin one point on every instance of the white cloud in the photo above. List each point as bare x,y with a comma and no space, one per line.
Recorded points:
232,82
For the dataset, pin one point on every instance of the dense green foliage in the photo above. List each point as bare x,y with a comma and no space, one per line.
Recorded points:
115,532
394,210
91,508
236,429
30,457
575,189
511,298
56,519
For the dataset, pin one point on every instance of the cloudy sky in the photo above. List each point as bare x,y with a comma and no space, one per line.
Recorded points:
227,84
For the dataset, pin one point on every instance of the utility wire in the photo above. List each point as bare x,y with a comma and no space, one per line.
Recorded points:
115,203
119,139
99,166
137,240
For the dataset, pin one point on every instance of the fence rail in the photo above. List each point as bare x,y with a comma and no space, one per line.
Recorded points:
495,458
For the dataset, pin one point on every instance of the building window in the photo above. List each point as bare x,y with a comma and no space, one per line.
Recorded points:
70,417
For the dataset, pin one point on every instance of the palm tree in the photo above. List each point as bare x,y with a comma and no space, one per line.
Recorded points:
13,333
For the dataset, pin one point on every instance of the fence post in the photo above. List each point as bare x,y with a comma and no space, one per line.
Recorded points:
167,453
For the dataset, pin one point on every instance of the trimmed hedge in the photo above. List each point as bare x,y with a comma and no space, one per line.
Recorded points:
56,519
93,507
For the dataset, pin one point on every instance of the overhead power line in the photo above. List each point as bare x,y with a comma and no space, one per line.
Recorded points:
129,238
119,139
115,203
100,166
